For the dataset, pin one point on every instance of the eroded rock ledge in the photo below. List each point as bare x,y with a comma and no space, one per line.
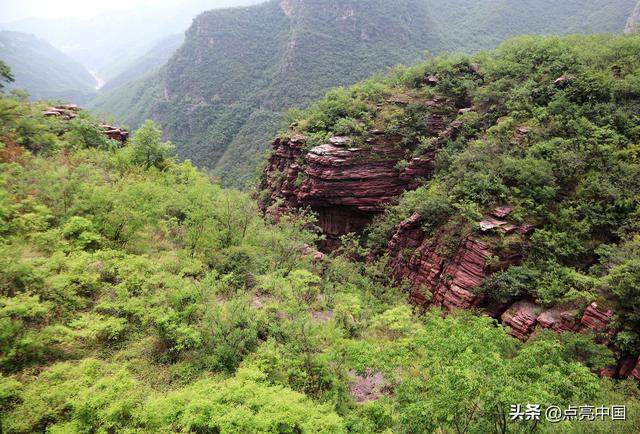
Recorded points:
447,276
346,185
69,112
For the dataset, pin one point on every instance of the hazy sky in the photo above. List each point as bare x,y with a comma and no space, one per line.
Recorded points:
11,10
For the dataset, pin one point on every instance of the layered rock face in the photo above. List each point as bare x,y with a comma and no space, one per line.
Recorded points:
446,269
346,185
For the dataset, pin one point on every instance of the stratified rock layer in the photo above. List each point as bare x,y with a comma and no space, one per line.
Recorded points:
595,318
436,274
446,269
345,185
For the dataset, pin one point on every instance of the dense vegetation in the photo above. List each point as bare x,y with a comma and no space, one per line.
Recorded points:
138,296
220,98
550,126
44,71
469,25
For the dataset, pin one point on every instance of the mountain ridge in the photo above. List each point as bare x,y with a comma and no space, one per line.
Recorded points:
43,71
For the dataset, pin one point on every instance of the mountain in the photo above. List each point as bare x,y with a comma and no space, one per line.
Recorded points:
148,62
469,25
44,71
221,96
633,23
131,93
108,43
224,91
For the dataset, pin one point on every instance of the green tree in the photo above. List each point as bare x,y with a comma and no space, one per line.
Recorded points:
147,148
5,74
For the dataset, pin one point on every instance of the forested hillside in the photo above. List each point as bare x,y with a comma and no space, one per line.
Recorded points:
471,25
521,184
138,296
43,71
156,57
221,97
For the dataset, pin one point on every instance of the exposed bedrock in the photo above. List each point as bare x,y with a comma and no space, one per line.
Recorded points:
446,269
346,185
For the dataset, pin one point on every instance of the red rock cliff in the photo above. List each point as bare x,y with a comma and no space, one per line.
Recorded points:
345,185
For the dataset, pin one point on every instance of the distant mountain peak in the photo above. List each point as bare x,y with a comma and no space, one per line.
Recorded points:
44,71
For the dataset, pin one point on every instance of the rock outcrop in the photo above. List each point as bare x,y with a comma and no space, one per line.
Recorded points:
69,112
558,319
437,274
446,269
595,318
521,318
346,185
115,133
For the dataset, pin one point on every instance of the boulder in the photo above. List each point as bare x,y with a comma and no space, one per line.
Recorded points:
558,320
521,318
596,318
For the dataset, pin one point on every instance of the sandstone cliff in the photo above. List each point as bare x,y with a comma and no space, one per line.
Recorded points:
346,186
